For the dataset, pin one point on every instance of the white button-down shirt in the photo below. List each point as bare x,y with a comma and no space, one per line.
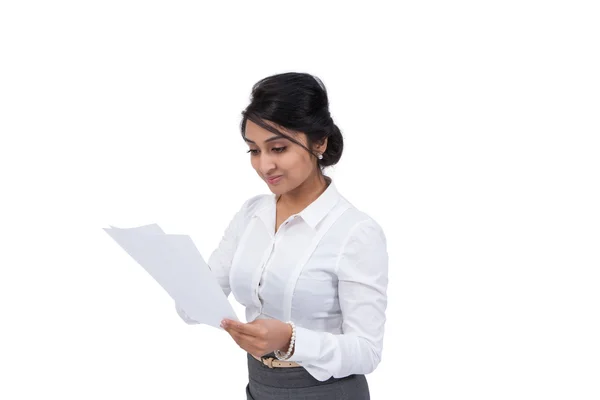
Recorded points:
326,269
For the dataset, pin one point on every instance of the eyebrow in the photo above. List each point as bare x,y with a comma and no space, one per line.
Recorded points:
268,140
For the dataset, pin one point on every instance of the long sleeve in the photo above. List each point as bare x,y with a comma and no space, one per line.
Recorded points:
362,272
220,260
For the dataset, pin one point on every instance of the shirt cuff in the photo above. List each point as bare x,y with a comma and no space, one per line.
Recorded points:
307,346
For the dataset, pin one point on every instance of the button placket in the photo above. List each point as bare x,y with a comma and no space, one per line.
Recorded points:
261,273
274,241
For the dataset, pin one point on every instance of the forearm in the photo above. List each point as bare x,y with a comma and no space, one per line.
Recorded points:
337,355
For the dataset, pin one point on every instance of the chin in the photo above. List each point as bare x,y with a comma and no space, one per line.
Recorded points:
277,189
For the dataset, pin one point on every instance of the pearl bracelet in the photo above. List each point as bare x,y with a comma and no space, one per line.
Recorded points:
292,341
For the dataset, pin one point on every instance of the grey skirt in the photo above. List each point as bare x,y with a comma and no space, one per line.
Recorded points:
297,384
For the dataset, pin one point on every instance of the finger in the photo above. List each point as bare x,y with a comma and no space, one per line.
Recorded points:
251,344
239,336
245,342
247,329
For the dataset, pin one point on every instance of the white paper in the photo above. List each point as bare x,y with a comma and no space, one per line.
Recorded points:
177,265
151,228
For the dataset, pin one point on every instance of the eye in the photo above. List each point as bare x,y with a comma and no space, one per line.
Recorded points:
252,152
279,149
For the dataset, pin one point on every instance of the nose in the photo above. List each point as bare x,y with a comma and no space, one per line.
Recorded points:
266,164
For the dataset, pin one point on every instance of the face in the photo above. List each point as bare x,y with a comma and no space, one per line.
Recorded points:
281,163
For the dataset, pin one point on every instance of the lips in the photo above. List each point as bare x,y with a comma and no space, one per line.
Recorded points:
274,179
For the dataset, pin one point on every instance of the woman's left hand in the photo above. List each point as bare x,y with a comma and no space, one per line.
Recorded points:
261,336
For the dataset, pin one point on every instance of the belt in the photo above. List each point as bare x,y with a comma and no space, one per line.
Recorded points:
275,363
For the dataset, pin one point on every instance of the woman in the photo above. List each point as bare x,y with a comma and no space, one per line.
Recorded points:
310,268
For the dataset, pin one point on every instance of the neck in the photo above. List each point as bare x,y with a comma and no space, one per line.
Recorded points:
299,198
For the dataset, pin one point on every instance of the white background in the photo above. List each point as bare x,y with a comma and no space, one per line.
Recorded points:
471,135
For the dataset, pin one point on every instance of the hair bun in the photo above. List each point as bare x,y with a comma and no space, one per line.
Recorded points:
335,147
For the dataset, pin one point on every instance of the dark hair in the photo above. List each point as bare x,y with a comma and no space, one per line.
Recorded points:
297,102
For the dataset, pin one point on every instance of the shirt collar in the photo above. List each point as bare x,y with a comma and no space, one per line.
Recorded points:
318,209
312,214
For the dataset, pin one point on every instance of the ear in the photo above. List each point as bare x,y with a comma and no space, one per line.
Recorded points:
320,146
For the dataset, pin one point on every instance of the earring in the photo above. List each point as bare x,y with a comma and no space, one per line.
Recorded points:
320,156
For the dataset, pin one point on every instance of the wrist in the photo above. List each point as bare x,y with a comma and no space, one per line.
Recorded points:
287,351
288,338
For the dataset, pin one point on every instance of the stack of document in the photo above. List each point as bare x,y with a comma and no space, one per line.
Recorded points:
177,265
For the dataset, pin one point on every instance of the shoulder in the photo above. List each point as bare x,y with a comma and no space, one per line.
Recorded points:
245,212
253,204
359,226
363,245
